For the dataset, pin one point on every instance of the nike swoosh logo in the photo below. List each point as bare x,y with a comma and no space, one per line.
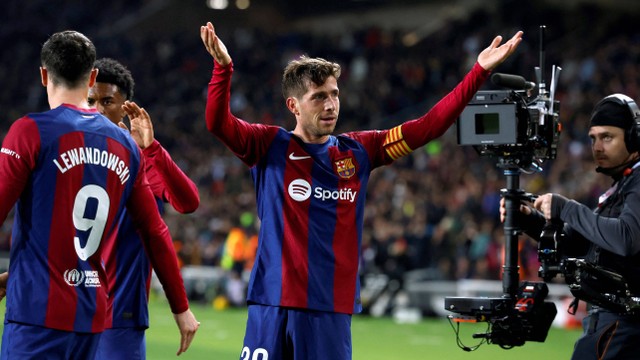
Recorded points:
293,157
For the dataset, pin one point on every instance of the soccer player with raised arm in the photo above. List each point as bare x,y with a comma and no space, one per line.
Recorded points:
70,172
127,263
311,188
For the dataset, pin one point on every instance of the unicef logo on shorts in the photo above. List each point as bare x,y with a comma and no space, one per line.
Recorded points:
299,190
88,278
74,277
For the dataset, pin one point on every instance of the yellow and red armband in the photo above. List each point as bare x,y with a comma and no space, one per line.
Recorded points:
394,144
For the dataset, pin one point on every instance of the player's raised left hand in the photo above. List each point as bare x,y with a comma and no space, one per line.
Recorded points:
494,55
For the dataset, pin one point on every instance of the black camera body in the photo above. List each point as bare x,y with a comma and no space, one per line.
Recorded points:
509,125
521,128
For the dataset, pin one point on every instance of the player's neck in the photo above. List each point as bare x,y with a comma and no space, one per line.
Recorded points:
310,138
59,95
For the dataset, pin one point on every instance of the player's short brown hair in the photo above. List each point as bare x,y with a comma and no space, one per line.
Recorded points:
298,73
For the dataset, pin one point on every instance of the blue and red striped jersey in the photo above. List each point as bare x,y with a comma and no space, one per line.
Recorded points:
310,197
71,172
311,204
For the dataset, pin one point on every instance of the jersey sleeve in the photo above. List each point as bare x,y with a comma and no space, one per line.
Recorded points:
158,243
249,142
404,138
18,157
168,182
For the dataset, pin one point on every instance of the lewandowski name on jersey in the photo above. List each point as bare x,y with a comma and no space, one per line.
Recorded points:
94,156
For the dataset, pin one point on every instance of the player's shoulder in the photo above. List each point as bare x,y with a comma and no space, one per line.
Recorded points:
65,119
361,136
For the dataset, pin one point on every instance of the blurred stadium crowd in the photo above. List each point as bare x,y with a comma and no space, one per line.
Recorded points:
436,209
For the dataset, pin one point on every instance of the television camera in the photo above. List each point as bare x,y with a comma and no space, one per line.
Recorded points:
520,127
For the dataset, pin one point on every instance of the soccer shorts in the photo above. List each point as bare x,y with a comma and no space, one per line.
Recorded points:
275,333
122,344
21,341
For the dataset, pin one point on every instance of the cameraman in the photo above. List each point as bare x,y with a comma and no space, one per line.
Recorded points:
609,236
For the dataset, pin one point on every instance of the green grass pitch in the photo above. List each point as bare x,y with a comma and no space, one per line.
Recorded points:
221,332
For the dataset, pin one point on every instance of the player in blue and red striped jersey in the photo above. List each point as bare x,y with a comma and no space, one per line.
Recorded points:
127,263
311,189
71,172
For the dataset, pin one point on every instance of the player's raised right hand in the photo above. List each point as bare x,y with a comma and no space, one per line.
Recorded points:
214,45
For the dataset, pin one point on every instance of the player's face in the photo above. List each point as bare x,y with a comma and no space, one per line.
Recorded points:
318,110
607,146
107,100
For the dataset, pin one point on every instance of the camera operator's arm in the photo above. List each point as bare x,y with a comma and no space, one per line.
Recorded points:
619,234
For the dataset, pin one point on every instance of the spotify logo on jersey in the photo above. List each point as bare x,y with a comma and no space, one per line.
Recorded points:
299,190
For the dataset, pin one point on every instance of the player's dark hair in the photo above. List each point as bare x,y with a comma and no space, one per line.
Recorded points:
298,73
68,57
111,71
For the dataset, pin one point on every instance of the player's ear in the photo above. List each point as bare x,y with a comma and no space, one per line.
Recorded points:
92,77
43,76
292,105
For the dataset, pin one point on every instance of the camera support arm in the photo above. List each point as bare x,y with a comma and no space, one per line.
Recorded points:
512,196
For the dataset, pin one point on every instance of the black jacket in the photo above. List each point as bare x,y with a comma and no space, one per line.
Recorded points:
608,236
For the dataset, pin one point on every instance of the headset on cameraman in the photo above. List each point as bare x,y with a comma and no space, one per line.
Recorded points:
632,134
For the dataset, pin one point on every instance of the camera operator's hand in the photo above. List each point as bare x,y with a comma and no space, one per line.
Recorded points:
526,210
543,204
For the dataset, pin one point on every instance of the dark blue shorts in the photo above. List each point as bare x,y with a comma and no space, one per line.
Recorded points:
122,344
295,334
20,341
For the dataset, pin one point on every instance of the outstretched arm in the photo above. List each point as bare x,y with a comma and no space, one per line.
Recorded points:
168,182
413,134
248,141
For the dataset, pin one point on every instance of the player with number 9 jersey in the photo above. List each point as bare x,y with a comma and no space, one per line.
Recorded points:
74,172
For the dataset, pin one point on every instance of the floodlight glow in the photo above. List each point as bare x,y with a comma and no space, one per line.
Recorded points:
218,4
243,4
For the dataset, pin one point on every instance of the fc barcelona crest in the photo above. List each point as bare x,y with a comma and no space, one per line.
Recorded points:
345,167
